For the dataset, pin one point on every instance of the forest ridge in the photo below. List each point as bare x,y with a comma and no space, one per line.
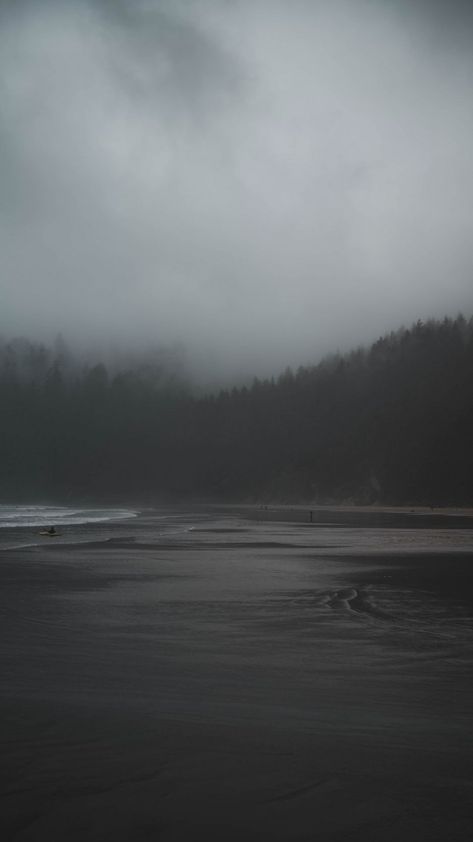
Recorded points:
391,423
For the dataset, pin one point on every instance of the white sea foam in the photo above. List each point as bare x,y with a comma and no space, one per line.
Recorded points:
30,516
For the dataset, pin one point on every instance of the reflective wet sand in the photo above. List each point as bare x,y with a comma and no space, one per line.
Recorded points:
239,674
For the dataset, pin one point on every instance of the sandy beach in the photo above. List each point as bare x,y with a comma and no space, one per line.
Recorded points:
239,673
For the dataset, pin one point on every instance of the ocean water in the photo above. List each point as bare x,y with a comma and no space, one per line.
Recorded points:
14,517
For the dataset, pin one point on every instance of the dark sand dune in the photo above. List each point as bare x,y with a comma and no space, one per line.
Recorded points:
289,682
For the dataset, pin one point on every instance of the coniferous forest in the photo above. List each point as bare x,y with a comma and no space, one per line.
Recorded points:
392,423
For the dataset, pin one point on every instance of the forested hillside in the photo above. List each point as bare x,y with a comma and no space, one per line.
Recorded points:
392,423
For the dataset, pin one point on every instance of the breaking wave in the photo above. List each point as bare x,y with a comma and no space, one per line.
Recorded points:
31,516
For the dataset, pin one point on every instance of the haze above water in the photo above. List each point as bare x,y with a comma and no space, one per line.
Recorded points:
263,182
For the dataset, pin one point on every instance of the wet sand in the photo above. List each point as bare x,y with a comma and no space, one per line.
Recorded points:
239,673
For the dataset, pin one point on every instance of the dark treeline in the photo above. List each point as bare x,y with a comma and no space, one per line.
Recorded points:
391,423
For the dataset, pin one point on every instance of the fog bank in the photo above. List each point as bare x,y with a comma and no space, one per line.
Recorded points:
261,182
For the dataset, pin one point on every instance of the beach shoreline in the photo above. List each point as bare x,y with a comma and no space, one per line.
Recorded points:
214,672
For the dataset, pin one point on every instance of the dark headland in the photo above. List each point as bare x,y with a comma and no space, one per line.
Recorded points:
388,424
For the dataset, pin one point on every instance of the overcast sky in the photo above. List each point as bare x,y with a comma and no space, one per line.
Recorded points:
262,180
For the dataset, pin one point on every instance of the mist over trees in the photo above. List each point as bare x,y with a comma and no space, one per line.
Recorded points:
391,423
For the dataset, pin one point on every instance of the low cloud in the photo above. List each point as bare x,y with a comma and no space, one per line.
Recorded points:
263,182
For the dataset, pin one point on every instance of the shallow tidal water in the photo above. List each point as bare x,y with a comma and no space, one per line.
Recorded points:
238,673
